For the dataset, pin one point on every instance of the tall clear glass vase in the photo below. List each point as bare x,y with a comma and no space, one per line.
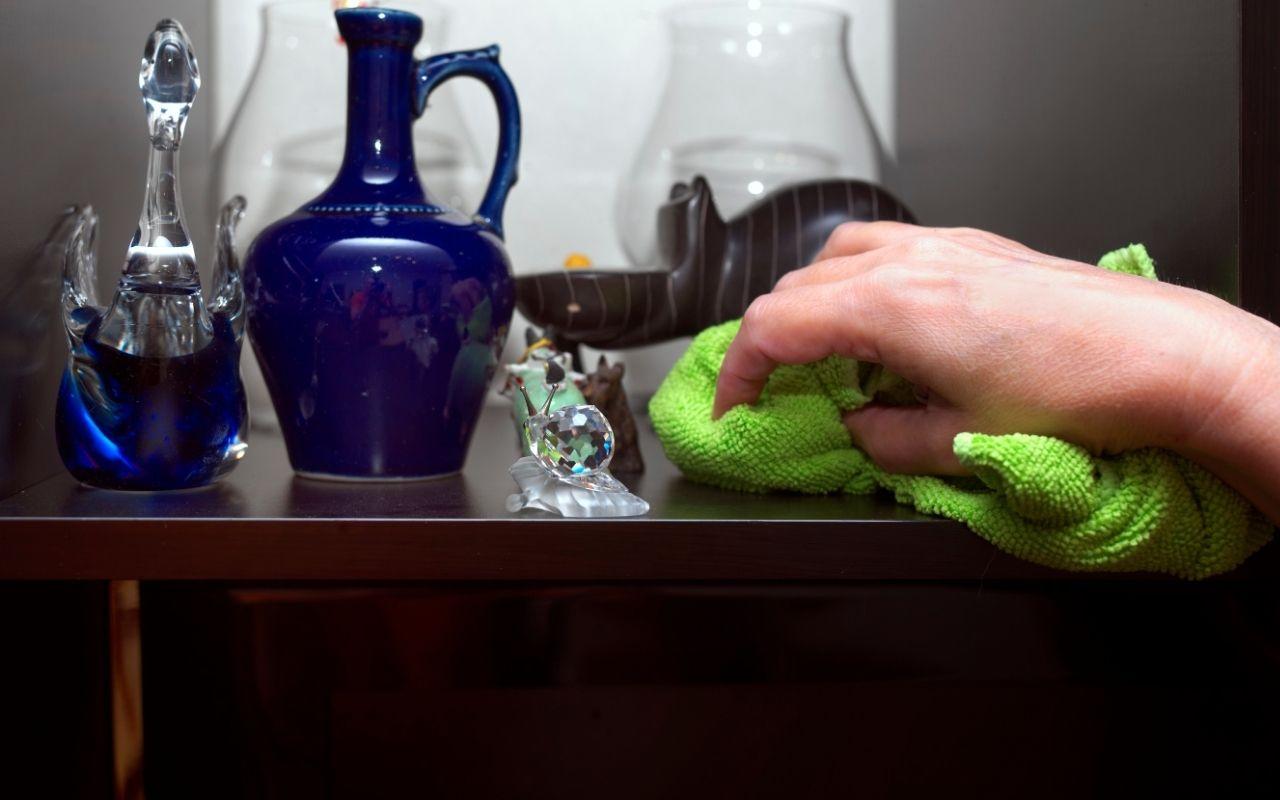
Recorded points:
758,95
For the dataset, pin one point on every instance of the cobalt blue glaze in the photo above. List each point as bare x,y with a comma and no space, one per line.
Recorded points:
378,314
151,423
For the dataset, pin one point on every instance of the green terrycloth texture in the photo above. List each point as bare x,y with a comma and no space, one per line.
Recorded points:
1036,497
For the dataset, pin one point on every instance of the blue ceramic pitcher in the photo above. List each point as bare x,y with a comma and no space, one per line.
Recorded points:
378,315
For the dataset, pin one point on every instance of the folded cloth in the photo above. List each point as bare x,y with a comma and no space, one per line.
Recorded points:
1037,497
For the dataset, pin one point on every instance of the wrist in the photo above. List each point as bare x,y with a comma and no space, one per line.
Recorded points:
1233,423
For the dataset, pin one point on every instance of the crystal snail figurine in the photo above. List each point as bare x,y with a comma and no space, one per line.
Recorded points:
567,472
151,397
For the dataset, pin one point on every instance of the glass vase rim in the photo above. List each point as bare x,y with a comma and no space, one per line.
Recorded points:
716,15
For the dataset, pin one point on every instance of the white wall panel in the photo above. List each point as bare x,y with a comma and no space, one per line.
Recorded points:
589,74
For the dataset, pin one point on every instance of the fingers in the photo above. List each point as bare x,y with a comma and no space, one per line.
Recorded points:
910,440
856,247
852,238
856,238
797,326
834,269
868,273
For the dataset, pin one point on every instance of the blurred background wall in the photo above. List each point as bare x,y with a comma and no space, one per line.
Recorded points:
590,75
1074,125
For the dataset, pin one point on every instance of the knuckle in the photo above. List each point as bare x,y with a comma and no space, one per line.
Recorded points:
915,288
758,311
787,281
843,237
930,247
977,237
889,280
848,235
880,226
843,231
765,324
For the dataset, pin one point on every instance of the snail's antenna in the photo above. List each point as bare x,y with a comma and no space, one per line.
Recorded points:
555,376
525,394
551,394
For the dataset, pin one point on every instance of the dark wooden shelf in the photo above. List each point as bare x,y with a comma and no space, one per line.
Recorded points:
264,523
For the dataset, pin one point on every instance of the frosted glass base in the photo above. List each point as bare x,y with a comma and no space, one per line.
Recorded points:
600,496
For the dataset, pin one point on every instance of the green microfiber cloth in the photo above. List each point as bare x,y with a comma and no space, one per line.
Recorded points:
1037,497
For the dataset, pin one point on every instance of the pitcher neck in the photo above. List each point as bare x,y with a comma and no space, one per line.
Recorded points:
378,163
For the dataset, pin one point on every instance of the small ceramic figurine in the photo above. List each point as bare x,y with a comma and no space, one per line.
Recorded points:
710,269
604,390
531,370
568,470
151,397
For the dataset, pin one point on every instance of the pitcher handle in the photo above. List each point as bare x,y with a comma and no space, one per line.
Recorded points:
482,65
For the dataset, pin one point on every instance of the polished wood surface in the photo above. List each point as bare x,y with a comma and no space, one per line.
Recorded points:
264,523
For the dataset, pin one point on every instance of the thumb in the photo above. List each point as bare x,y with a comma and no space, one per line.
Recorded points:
910,440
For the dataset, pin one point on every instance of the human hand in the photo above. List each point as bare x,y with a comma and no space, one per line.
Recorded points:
1010,340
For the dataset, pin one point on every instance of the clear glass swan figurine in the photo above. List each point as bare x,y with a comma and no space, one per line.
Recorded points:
567,471
151,397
